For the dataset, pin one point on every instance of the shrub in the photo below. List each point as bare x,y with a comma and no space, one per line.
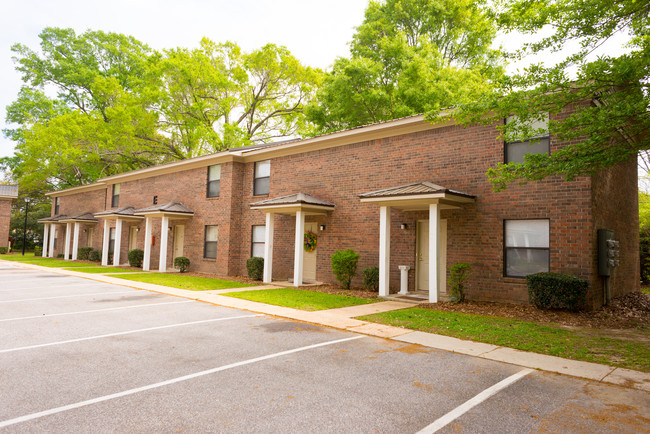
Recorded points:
38,251
458,275
644,253
371,278
95,255
255,268
556,291
84,252
60,256
136,256
344,266
182,263
3,250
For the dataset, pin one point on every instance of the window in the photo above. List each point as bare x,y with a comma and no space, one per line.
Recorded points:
516,146
262,177
90,236
111,240
210,246
56,205
115,202
257,241
526,247
214,180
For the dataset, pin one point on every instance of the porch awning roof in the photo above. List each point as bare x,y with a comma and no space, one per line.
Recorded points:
124,213
52,219
86,217
294,202
169,209
417,196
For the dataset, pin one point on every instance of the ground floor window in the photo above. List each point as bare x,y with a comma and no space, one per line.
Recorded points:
257,243
526,247
210,245
111,240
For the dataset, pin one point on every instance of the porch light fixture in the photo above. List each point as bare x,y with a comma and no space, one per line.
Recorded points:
404,226
322,227
137,229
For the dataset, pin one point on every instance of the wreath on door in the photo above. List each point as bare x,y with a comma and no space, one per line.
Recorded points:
311,239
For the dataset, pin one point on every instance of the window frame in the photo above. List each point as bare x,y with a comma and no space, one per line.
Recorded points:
505,246
112,233
205,242
57,205
115,198
208,182
253,242
547,137
256,178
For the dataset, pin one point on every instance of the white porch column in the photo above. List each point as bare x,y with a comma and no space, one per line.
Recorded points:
75,241
268,248
434,251
68,230
52,238
164,232
300,241
118,242
107,232
46,230
384,251
147,244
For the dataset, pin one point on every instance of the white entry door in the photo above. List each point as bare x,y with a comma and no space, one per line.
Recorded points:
133,238
422,256
179,240
309,258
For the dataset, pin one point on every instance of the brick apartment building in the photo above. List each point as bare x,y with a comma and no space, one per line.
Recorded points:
8,194
400,193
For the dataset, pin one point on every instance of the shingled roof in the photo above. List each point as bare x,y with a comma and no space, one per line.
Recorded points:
127,211
171,207
294,199
84,217
415,189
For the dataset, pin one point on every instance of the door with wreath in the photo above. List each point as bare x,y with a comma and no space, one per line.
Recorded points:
309,254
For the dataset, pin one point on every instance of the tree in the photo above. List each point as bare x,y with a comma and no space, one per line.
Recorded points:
610,91
408,57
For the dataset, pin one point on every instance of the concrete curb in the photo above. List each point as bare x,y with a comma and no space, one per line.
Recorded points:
343,318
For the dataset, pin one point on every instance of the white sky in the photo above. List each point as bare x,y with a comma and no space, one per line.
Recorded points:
316,32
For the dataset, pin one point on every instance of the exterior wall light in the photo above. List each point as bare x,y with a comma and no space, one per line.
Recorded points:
322,227
404,226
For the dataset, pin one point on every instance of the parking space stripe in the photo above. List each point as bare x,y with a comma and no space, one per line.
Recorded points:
66,285
68,296
468,405
94,310
167,382
30,347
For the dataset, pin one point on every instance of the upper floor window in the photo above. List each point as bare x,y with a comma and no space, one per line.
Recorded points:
257,241
57,204
214,180
526,247
262,180
115,201
210,243
531,137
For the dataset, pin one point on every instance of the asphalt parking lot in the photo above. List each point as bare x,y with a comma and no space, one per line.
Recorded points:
82,356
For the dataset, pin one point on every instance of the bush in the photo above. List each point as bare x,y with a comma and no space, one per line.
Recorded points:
95,255
556,291
3,250
38,251
84,252
255,268
136,256
182,263
371,278
644,253
344,266
60,256
458,275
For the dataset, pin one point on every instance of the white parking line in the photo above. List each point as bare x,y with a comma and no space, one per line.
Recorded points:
468,405
49,286
166,383
30,347
94,310
68,296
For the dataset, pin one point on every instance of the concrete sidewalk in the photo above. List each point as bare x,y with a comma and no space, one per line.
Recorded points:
343,318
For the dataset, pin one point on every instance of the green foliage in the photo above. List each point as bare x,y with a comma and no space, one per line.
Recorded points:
60,255
255,268
193,283
83,253
182,263
135,256
95,255
300,298
556,291
38,251
371,278
644,209
4,250
344,266
644,254
458,275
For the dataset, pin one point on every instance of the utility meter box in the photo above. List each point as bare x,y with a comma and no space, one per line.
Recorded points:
608,252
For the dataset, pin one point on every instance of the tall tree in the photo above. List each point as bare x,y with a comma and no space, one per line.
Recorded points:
611,89
408,57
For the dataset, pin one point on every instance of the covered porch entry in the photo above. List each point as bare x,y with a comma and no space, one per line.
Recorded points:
420,196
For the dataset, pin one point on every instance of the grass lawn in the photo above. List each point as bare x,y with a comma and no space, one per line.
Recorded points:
300,299
45,262
646,290
579,344
100,270
193,283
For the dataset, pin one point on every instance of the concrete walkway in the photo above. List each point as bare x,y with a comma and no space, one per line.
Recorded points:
343,318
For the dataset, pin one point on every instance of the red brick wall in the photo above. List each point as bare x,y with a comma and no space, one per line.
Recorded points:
74,204
5,218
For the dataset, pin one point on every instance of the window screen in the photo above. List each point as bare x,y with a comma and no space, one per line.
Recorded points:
526,247
529,138
257,247
214,180
211,238
261,184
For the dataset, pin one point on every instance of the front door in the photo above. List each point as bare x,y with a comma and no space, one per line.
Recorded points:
422,257
133,238
179,240
309,258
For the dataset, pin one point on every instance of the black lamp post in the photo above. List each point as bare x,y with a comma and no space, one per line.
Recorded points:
27,199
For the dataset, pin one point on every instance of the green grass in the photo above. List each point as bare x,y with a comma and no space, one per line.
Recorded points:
193,283
100,270
45,262
549,339
300,299
646,290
